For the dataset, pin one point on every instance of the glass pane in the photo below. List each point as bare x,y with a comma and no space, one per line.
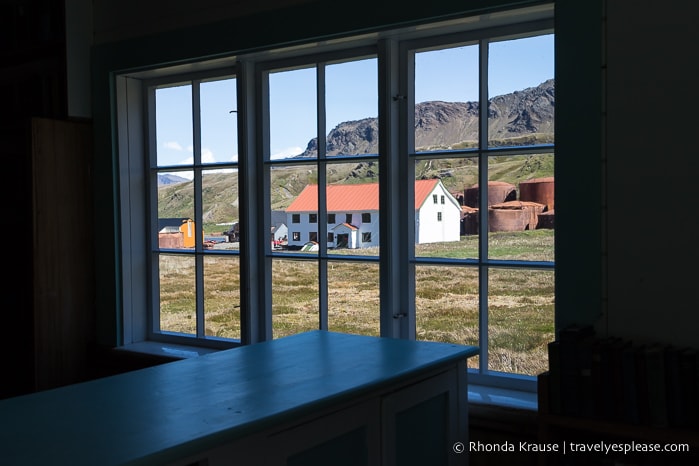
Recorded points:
521,207
294,201
351,104
176,211
446,310
219,121
521,91
293,115
444,225
446,99
520,320
352,197
222,296
173,125
220,206
294,297
177,293
353,298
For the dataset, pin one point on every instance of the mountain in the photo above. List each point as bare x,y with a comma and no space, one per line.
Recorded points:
168,179
521,118
453,125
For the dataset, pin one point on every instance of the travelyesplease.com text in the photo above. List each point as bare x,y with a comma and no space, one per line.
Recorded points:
566,447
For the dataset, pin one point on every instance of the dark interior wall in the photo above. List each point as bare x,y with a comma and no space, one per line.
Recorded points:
32,83
652,166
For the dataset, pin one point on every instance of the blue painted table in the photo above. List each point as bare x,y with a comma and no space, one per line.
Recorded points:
363,399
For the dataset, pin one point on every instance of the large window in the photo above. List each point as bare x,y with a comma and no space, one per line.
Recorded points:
436,149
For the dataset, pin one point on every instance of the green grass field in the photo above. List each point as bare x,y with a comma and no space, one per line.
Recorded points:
520,306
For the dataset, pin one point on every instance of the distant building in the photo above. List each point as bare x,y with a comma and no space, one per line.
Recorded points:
175,233
353,215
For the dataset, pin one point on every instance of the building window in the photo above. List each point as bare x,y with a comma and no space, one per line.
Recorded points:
494,272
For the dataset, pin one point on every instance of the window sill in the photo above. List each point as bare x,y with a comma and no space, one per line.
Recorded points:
165,350
502,397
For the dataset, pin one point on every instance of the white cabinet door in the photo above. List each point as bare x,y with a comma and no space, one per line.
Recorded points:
347,437
422,423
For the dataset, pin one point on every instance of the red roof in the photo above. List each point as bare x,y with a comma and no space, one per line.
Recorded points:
352,197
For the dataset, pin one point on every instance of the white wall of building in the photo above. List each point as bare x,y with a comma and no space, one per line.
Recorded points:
428,227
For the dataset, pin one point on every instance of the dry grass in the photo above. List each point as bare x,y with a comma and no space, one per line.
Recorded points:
520,306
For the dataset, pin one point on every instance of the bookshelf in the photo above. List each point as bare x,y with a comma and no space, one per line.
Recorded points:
609,389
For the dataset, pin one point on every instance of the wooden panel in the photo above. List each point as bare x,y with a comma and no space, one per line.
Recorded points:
63,250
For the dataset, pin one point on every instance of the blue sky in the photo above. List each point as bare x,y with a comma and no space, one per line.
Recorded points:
351,94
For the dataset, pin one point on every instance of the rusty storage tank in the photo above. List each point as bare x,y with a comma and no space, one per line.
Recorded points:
546,220
538,190
469,220
168,240
498,191
514,216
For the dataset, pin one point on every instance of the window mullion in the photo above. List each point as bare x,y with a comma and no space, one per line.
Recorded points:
322,199
253,177
198,216
397,287
483,206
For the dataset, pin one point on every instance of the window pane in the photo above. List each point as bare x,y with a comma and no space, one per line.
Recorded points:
222,296
446,305
449,228
446,90
521,91
177,293
353,297
521,207
294,297
293,196
352,195
220,208
176,225
351,102
520,320
173,125
292,112
219,121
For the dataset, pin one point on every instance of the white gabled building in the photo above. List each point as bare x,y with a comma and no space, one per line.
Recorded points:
353,215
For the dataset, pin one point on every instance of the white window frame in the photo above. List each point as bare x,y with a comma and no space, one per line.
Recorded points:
397,258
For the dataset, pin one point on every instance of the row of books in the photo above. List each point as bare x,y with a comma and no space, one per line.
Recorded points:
616,379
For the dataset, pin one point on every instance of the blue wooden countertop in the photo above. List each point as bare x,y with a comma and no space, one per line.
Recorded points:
164,413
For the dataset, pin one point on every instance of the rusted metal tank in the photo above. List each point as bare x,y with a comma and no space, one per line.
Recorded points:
498,191
546,220
469,220
514,216
538,190
171,240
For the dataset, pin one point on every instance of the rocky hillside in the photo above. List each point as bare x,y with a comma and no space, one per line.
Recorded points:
451,125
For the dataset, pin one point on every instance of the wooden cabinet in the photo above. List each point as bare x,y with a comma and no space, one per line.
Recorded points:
310,399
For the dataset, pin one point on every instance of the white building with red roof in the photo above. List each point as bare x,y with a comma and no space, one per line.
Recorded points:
353,215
